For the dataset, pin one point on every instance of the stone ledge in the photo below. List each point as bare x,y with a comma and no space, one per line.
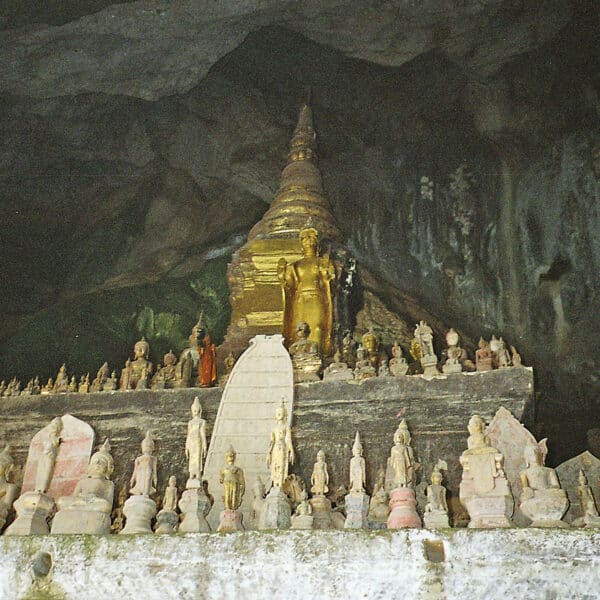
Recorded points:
416,564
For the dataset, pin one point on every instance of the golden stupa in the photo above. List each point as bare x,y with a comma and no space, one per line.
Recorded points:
255,288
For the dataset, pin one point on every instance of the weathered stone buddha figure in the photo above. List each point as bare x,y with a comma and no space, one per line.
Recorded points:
140,369
281,451
307,292
305,355
47,460
320,476
195,443
358,478
232,479
144,479
401,463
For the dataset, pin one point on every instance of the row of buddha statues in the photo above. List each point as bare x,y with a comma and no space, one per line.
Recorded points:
484,491
357,362
196,366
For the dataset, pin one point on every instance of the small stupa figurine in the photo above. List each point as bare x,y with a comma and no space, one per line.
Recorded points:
138,369
423,346
436,509
234,486
321,505
34,508
587,505
61,383
167,519
454,353
483,356
101,376
504,360
364,368
194,503
140,509
379,506
258,503
484,489
8,489
401,475
303,517
542,499
398,365
88,510
357,501
371,345
305,356
337,370
277,512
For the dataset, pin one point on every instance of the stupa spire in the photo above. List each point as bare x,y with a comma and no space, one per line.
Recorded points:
300,195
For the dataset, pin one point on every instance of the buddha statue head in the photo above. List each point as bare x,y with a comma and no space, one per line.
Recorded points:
230,455
101,463
196,407
535,454
148,444
141,349
309,240
320,456
169,359
357,448
452,338
302,331
281,412
370,341
402,435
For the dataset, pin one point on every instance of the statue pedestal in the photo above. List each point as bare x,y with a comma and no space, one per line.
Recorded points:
452,368
231,520
357,508
194,505
139,512
81,519
306,367
302,522
403,512
276,513
33,510
489,510
398,369
429,364
436,519
166,522
546,508
322,517
340,372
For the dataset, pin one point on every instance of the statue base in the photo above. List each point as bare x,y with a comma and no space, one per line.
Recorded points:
357,508
339,375
398,369
307,374
546,508
429,364
79,520
436,519
403,514
194,505
166,522
489,511
322,517
33,510
231,520
139,512
302,522
452,368
276,512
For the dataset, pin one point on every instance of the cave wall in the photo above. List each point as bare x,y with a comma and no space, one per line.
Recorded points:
462,168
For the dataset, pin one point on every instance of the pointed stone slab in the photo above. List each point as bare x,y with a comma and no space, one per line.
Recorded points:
510,437
261,377
568,475
77,442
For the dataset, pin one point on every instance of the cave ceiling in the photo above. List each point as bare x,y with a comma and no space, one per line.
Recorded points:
142,140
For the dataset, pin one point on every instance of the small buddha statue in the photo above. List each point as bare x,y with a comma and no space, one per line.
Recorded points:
138,369
281,451
229,363
16,387
117,516
307,292
170,497
72,385
454,353
397,365
84,384
303,516
232,479
101,376
349,350
587,504
379,505
195,444
337,370
27,390
207,367
484,489
305,357
436,509
422,346
111,384
61,383
48,388
542,499
494,348
503,355
383,370
483,356
89,508
36,390
158,380
144,479
320,476
371,345
516,357
169,369
358,477
402,466
364,368
183,371
258,502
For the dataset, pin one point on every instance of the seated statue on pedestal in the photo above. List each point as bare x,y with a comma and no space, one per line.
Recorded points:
542,500
436,509
397,365
364,369
483,356
587,504
305,355
101,376
61,383
307,294
138,370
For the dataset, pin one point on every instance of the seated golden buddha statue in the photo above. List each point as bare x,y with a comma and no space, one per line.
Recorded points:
140,368
307,297
305,355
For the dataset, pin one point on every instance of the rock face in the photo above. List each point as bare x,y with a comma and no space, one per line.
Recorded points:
459,148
